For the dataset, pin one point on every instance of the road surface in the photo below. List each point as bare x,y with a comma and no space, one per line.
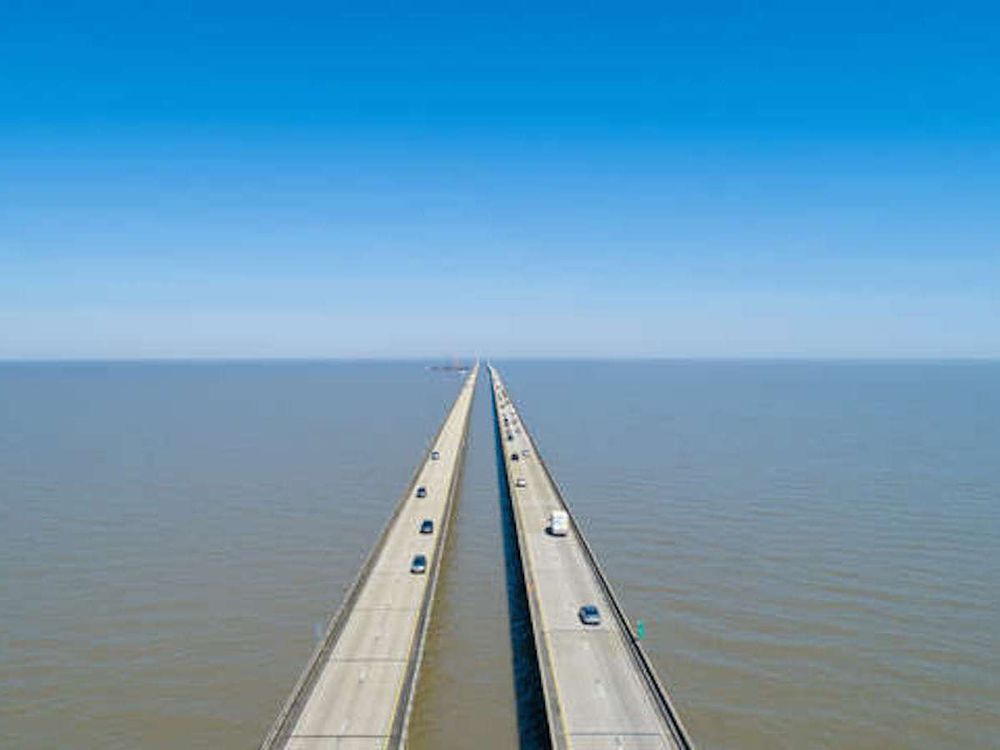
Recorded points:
600,689
357,688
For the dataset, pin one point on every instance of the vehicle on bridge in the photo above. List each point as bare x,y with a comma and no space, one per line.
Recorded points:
421,492
559,523
419,564
427,526
590,615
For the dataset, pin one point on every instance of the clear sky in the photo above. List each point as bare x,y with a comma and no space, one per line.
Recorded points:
422,179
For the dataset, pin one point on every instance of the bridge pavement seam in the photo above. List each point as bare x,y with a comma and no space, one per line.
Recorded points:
374,659
340,736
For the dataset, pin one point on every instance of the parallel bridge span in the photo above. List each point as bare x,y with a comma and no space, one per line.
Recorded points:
357,689
600,688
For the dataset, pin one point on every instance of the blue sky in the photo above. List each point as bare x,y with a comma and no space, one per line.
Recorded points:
229,180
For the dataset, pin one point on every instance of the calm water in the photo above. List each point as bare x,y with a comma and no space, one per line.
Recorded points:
815,548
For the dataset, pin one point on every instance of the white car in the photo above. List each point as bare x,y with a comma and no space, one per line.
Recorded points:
520,482
559,523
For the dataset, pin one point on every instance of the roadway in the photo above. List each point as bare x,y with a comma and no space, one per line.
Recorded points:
600,689
357,689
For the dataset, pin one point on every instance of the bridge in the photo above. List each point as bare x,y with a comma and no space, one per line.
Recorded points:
600,688
357,688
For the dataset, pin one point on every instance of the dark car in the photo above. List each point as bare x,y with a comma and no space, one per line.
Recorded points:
590,615
419,564
435,455
421,492
513,456
427,526
509,436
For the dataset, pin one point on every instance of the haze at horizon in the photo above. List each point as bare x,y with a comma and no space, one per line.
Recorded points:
319,181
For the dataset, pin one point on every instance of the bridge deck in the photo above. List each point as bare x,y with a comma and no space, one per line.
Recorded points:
600,689
357,688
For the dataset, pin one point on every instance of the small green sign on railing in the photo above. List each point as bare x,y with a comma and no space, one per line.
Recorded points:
640,629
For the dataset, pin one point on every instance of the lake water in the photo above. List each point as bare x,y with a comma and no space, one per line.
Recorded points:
814,547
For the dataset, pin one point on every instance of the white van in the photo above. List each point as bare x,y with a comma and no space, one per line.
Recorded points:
559,523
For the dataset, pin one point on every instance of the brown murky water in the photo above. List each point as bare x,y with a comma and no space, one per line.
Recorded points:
814,548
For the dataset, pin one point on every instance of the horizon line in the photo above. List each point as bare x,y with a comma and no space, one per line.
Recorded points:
791,358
